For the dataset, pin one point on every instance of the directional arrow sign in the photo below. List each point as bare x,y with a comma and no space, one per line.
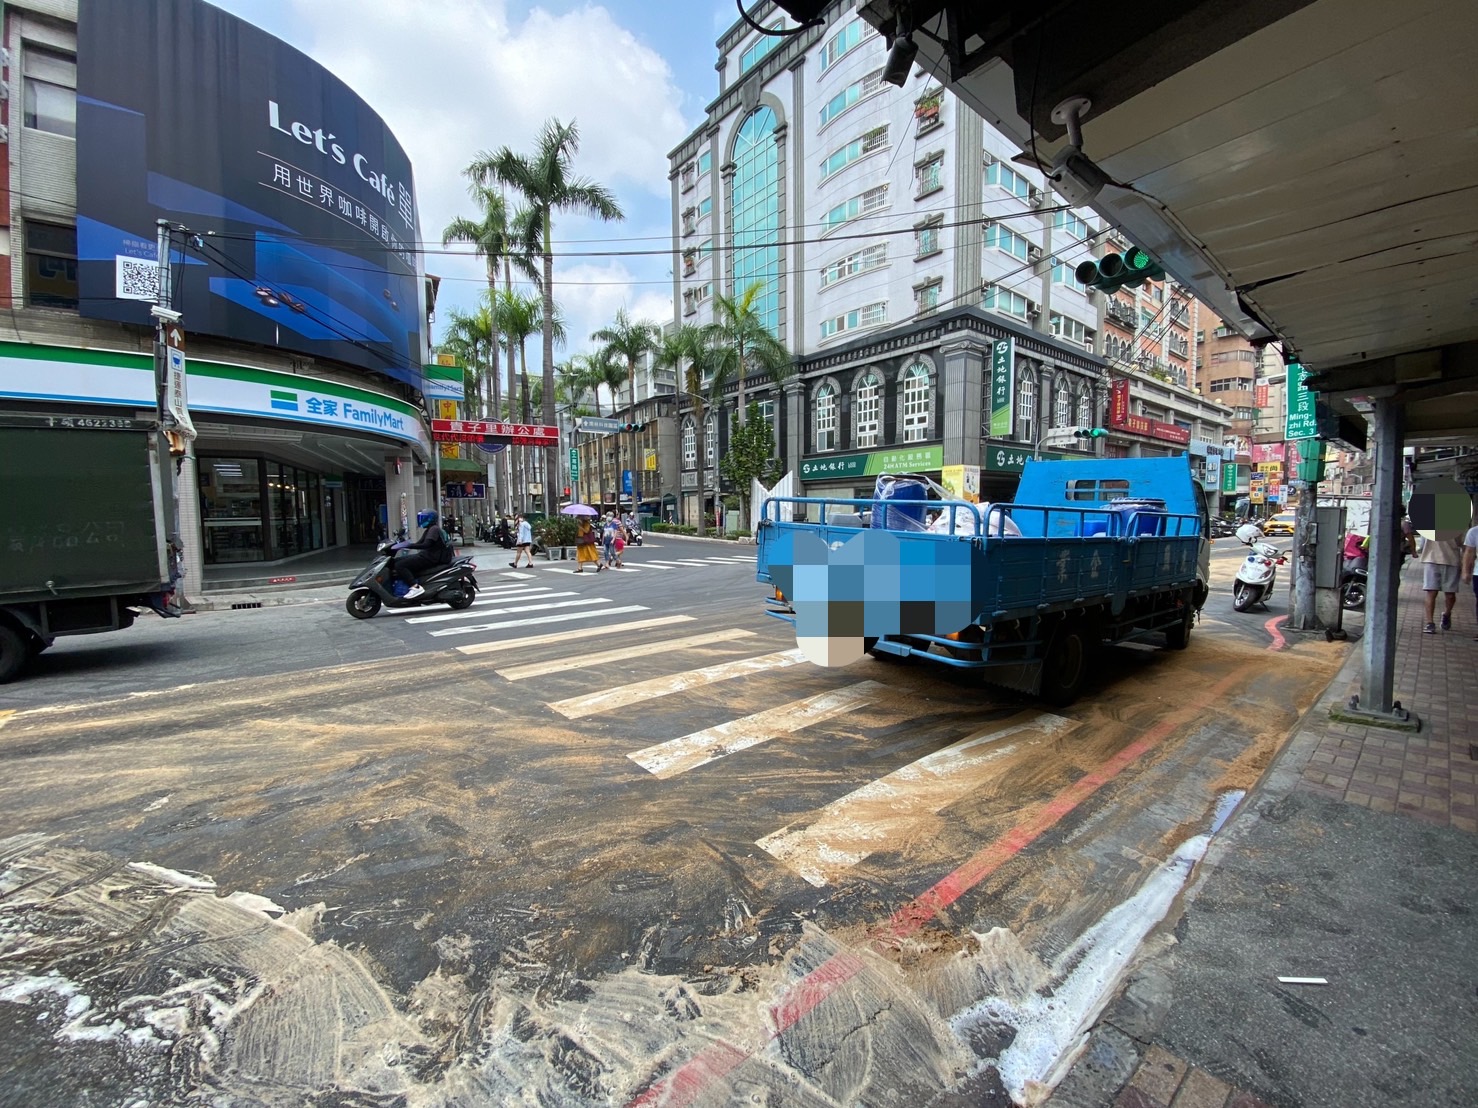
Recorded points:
597,425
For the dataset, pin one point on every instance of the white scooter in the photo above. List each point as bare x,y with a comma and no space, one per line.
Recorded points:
1257,574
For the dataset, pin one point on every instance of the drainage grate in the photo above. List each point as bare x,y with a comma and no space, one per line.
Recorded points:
239,607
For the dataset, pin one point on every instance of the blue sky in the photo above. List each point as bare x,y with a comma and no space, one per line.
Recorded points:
452,77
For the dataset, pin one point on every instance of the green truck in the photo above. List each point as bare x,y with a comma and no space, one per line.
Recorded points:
86,518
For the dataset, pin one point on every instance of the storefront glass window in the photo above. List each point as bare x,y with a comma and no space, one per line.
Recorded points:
231,509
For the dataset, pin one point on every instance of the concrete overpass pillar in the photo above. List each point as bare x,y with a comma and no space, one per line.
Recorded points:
1379,645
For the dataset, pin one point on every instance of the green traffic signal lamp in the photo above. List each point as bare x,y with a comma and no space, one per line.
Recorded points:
1090,432
1112,272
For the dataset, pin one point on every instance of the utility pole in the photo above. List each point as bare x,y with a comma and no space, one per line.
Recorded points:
171,408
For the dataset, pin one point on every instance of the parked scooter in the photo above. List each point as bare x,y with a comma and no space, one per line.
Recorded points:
453,585
1352,590
1258,572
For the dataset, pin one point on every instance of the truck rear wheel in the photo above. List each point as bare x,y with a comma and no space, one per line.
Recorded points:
1179,636
1065,664
15,651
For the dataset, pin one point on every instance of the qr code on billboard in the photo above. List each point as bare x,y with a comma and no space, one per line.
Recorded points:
138,278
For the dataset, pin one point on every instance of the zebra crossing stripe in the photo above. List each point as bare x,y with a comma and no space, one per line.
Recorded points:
885,811
577,707
712,743
557,617
514,609
564,636
584,661
544,594
494,595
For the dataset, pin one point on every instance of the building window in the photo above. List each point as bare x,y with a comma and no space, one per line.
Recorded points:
1003,176
1232,384
1026,408
867,410
710,438
1085,410
1062,274
930,175
850,96
1065,327
755,215
757,51
926,239
858,148
705,206
1062,404
51,265
859,261
1074,227
874,199
767,413
1007,302
705,162
49,91
1005,239
915,402
690,444
826,419
869,316
926,296
705,248
840,43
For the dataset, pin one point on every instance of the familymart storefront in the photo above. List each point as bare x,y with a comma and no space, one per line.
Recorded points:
283,464
854,476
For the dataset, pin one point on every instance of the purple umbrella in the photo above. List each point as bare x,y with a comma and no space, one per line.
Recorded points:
578,510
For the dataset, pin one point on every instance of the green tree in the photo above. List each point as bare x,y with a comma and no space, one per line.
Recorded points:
751,453
470,339
518,317
546,182
743,344
625,341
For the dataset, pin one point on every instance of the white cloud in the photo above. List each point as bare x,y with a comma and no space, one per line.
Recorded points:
459,76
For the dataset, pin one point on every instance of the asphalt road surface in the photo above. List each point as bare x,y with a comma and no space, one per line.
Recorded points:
642,854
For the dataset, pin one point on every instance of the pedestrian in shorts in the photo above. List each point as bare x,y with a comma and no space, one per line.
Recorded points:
1470,556
1441,561
524,543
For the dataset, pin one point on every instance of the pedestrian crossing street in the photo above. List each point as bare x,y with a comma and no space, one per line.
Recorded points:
693,689
635,560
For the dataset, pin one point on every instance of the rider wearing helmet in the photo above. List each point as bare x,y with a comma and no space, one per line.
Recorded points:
432,549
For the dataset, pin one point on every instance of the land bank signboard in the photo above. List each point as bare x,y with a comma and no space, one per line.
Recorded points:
303,200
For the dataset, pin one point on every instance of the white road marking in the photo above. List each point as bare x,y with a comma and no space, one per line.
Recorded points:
882,811
511,573
492,596
583,661
558,617
663,564
712,743
564,636
621,696
531,607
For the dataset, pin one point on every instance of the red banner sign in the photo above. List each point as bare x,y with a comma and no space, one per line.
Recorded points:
493,431
1259,396
1120,419
1267,452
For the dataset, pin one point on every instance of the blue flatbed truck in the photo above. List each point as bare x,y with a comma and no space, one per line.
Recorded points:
1110,550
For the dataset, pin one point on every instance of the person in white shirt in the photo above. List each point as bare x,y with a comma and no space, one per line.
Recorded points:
1470,555
524,543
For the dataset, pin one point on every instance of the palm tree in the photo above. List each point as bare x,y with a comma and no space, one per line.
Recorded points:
572,383
612,374
469,337
742,344
691,352
495,239
628,339
546,182
519,316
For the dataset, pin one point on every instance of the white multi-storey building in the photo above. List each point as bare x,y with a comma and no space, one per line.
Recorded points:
898,242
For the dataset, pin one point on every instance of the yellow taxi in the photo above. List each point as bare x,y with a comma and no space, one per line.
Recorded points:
1280,524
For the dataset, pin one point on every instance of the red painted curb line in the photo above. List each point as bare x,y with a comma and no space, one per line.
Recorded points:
689,1080
1271,627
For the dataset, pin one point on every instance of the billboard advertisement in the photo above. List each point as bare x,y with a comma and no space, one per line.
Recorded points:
299,201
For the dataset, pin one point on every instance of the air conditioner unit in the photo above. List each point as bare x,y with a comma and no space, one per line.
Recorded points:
1035,197
1033,309
990,159
1088,346
1033,253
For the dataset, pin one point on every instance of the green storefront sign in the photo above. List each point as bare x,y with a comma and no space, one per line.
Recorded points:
906,459
1002,387
1229,476
1013,459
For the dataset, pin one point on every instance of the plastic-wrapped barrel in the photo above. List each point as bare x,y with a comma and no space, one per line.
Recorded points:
898,503
1145,516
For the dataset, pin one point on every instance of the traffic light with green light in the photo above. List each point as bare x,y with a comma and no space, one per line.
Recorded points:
1090,433
1113,272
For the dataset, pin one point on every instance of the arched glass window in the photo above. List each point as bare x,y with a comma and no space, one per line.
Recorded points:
1085,409
867,410
825,407
1026,408
915,401
710,439
1062,404
755,205
690,444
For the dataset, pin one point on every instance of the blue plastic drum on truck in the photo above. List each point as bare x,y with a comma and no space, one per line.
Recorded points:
1149,521
898,503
